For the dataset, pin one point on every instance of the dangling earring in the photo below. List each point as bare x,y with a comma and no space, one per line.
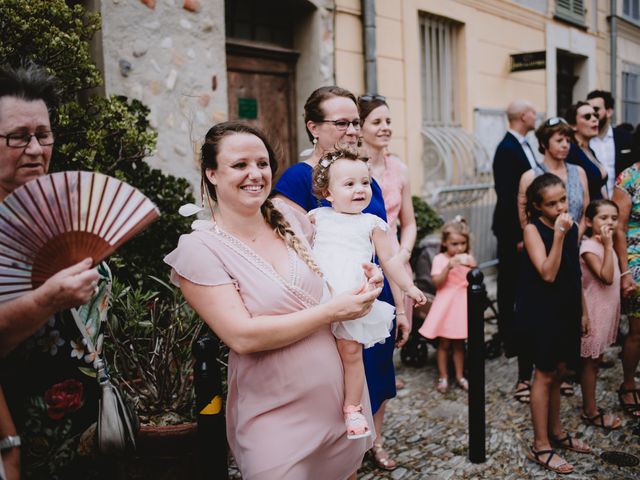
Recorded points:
359,144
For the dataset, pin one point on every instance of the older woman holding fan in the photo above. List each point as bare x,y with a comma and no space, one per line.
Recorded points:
42,341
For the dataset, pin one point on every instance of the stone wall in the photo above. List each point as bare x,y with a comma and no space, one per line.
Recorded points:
169,54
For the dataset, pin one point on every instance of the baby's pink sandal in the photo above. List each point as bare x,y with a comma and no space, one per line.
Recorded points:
357,426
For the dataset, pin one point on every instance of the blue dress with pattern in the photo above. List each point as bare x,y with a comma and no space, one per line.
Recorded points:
295,184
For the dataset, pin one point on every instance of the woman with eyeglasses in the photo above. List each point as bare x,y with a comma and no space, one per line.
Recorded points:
52,401
583,119
554,139
332,119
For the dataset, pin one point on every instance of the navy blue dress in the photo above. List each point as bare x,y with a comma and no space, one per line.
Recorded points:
548,314
594,176
295,184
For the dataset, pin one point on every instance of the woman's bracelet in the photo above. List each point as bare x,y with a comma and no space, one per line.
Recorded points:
626,272
400,313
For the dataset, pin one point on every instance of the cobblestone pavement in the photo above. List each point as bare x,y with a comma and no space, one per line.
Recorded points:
427,431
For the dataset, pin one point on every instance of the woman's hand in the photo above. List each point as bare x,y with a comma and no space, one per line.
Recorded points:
403,329
627,285
563,223
349,306
70,287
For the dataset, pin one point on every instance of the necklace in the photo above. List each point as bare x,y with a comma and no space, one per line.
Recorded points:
251,238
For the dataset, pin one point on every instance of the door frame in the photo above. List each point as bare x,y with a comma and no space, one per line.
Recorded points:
272,60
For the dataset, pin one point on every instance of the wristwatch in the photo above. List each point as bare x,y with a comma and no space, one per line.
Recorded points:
9,442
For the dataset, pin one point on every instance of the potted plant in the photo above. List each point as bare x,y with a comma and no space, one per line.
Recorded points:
148,340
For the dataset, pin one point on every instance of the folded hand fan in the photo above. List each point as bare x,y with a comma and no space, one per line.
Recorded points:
57,220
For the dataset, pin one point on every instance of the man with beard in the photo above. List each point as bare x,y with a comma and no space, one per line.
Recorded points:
612,145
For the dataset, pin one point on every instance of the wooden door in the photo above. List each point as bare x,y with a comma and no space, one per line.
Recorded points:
261,92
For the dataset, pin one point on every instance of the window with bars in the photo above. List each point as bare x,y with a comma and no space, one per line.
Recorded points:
631,9
631,94
439,46
571,11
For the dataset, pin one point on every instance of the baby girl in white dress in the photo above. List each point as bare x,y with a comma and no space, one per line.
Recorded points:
345,239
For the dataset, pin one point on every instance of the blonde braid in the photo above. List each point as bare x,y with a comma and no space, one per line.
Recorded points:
280,225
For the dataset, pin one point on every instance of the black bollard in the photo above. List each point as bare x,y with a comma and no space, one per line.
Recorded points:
212,434
476,302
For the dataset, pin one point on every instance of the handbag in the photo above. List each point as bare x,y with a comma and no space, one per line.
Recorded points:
118,422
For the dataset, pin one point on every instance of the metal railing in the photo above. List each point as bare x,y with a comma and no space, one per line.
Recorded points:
475,202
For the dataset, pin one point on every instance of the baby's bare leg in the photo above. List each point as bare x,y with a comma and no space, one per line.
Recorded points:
351,355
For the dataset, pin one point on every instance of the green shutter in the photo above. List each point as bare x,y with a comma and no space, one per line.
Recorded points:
571,11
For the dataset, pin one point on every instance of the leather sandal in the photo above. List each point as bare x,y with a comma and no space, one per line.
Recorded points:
600,420
633,407
567,442
443,385
463,383
357,426
566,389
381,458
534,456
523,394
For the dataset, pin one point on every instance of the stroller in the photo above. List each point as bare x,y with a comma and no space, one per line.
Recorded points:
414,353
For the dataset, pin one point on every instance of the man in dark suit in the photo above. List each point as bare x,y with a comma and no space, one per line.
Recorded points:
612,146
513,157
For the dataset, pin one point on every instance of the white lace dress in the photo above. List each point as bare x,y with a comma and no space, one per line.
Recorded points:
342,244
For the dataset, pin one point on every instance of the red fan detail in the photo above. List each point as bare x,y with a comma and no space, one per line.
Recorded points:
57,220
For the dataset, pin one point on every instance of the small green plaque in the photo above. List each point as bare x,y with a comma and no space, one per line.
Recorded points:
248,108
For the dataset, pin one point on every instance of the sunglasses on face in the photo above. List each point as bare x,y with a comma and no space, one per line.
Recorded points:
370,98
587,116
553,121
344,124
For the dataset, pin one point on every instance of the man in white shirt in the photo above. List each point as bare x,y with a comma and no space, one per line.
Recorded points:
612,146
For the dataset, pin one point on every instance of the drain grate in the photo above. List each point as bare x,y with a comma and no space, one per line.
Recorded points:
620,459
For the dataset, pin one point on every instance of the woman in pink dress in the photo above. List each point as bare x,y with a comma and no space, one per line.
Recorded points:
249,275
393,177
447,318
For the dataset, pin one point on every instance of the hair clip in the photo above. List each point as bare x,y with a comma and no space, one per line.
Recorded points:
189,209
458,219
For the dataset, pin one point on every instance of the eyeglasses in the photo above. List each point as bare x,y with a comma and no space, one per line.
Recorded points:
344,124
370,98
553,121
21,140
587,116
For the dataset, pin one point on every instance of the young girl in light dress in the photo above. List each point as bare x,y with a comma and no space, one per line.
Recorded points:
346,238
601,286
447,318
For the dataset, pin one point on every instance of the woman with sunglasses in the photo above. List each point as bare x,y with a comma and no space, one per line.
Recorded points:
555,137
332,119
584,120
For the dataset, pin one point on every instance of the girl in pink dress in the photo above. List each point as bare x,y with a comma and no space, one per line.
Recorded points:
447,318
601,286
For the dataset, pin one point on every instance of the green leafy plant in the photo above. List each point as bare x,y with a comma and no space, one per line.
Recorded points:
148,349
427,219
110,135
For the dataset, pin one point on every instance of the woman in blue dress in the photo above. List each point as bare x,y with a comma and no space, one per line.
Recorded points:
331,116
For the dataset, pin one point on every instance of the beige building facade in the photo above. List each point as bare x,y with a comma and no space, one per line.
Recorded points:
445,66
